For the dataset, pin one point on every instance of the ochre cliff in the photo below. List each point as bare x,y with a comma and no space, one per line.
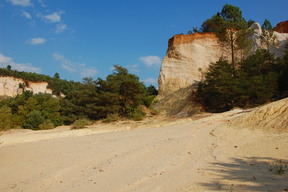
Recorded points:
10,86
282,27
188,56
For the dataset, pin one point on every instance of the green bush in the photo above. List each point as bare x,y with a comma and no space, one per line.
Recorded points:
149,100
137,114
5,118
33,120
80,124
47,124
111,118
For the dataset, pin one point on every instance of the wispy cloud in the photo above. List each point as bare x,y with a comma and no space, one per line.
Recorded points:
60,28
26,15
73,67
133,68
66,64
151,81
37,41
24,3
151,60
88,72
41,2
5,61
53,17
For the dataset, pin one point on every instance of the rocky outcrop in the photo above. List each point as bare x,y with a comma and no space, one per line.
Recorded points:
188,56
277,41
10,86
282,27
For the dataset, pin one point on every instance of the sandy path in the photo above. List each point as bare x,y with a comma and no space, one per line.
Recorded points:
201,155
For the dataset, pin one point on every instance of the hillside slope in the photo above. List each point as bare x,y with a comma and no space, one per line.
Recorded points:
272,117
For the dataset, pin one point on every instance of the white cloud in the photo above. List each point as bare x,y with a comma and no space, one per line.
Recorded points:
133,68
65,63
4,61
60,28
24,3
151,60
88,72
72,67
41,2
151,81
54,17
26,15
37,41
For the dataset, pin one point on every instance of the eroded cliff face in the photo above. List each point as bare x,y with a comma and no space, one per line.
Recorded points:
10,86
188,56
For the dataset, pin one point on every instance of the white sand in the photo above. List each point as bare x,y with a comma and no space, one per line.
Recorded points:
207,154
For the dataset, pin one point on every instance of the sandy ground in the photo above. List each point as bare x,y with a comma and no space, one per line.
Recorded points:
203,153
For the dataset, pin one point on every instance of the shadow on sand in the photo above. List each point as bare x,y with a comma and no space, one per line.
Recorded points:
249,174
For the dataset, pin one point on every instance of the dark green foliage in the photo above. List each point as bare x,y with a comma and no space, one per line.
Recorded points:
216,92
261,62
56,76
136,114
22,105
5,118
250,22
231,29
119,94
258,80
80,123
229,18
9,67
111,118
124,91
283,77
152,92
47,124
33,120
267,25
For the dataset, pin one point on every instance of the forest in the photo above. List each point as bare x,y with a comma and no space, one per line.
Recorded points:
120,95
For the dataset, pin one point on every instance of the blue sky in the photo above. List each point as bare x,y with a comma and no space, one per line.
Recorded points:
86,38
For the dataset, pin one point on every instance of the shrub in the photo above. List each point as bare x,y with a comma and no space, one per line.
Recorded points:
149,100
47,124
111,118
33,120
137,114
80,124
5,118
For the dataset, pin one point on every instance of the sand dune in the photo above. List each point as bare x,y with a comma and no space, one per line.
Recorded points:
204,153
272,117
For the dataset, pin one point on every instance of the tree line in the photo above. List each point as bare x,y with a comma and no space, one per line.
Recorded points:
120,95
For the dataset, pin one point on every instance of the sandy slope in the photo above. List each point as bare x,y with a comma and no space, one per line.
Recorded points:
208,154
